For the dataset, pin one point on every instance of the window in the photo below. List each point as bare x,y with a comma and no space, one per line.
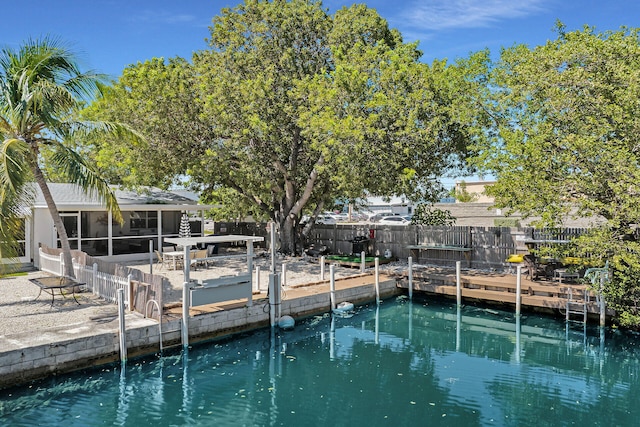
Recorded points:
143,219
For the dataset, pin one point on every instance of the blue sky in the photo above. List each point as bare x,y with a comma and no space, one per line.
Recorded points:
112,34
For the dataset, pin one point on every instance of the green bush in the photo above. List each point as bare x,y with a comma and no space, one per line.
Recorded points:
506,222
425,214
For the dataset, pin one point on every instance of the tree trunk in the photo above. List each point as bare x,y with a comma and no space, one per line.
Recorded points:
57,221
288,236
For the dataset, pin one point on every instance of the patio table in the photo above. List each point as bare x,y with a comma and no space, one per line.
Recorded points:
50,283
173,257
176,257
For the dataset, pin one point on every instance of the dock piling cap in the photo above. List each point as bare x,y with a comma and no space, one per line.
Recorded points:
515,258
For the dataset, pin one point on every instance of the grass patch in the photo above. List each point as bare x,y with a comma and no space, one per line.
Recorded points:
15,274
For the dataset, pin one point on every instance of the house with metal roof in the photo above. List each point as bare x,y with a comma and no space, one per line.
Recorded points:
150,215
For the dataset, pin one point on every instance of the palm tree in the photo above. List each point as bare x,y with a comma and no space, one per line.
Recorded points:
41,90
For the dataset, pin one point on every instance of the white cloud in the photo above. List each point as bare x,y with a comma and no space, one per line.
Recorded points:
441,14
162,17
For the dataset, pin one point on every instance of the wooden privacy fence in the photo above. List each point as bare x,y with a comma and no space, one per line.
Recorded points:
485,247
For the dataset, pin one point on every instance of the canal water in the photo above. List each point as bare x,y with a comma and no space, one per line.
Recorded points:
424,363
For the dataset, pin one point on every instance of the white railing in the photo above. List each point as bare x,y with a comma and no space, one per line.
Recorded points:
107,285
103,285
51,263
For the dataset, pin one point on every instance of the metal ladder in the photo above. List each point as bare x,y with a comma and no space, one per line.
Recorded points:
577,307
161,338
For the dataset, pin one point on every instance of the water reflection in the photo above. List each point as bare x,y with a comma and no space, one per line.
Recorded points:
401,362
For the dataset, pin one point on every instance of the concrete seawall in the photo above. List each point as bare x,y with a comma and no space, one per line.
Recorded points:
26,357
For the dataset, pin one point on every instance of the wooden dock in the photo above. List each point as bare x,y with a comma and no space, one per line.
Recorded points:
501,288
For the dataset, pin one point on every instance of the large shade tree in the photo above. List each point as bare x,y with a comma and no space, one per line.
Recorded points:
567,142
41,89
290,109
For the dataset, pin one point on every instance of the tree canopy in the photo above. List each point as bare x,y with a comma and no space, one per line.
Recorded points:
566,142
290,109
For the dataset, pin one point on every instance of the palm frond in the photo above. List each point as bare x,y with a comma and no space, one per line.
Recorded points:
15,195
80,172
14,170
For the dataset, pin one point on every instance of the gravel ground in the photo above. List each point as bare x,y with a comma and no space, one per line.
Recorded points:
22,312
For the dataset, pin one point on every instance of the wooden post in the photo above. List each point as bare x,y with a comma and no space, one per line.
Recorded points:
362,262
322,267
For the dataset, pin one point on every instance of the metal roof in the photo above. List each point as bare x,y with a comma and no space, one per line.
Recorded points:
68,196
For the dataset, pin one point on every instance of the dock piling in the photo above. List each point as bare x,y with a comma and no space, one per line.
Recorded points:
410,268
377,274
518,290
458,283
122,327
332,286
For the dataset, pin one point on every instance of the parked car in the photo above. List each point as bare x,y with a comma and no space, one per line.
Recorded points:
378,216
325,219
394,220
339,217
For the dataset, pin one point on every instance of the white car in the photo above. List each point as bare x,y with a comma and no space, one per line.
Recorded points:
325,219
339,217
394,220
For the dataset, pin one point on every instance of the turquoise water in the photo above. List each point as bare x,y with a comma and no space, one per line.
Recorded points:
402,364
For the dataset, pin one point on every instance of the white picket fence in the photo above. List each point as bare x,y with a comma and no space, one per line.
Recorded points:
100,284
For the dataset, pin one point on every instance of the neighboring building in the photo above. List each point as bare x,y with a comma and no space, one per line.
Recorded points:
476,189
395,205
152,215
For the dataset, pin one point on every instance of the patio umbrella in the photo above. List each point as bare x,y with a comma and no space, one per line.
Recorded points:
185,228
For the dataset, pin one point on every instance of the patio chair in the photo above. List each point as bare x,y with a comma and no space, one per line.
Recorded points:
160,261
535,270
211,251
197,258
